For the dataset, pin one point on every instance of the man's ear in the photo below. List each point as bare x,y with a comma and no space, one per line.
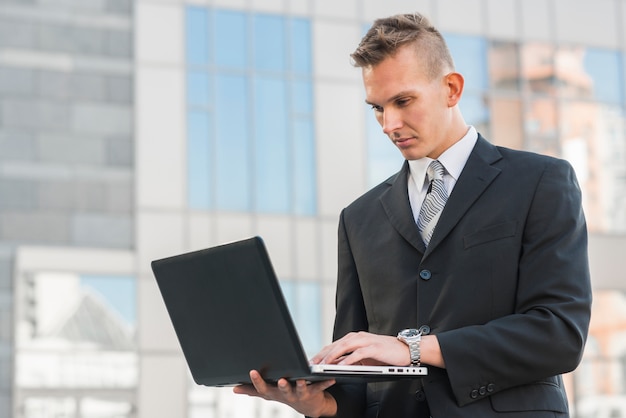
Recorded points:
455,83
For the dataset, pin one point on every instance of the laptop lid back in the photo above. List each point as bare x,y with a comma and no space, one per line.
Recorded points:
229,314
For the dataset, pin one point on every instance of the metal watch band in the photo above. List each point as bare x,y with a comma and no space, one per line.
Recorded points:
412,338
415,351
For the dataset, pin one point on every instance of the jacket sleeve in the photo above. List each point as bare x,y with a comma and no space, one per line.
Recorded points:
546,334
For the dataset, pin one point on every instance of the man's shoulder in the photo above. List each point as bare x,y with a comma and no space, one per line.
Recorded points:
529,159
485,145
522,157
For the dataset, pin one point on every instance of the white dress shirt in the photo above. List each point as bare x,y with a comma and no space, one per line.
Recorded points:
453,160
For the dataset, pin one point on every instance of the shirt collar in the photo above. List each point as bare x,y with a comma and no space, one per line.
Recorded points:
453,159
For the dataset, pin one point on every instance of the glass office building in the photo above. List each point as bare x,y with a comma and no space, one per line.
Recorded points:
134,130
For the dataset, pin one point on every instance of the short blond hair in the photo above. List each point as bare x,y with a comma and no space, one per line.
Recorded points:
387,35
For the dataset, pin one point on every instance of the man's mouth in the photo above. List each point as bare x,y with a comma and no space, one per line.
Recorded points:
402,141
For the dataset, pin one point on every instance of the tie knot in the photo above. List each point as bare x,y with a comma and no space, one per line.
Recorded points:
435,171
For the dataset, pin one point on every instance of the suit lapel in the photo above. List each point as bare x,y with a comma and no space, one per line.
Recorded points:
396,204
474,179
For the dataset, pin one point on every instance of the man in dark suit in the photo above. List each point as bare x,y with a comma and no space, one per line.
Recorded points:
492,292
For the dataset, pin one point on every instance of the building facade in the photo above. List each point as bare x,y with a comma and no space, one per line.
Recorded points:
134,130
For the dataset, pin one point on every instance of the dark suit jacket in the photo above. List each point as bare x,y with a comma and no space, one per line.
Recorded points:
504,284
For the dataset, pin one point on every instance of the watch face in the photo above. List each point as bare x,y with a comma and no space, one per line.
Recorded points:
408,333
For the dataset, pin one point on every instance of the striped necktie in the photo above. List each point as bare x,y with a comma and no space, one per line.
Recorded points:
434,201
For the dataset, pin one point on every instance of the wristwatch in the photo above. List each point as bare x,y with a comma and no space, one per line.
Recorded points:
412,337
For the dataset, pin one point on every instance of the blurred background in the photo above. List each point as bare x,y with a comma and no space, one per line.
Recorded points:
134,130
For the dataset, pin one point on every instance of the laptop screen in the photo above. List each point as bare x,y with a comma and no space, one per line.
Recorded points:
229,314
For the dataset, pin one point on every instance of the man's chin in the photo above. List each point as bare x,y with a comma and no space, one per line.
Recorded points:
412,154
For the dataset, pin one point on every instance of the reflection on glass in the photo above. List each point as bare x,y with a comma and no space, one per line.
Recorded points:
579,130
302,98
269,43
593,141
600,381
198,89
300,46
231,34
571,76
304,303
506,123
198,159
76,335
470,59
538,72
303,167
504,66
55,407
540,124
475,111
605,69
272,157
383,157
309,302
247,147
232,143
197,34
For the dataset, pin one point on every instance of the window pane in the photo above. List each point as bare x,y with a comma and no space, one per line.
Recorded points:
288,287
232,144
304,161
506,123
45,407
272,150
308,295
302,97
300,46
593,141
119,293
571,76
58,345
538,71
540,123
241,153
230,39
383,157
475,111
604,67
269,43
470,59
197,35
304,302
198,160
600,380
504,71
198,89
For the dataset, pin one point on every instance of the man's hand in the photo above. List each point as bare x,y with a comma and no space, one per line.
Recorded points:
365,348
308,399
372,349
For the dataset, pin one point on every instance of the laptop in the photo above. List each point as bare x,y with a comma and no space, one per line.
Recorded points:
230,317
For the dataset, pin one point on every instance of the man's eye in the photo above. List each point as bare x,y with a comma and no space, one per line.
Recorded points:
402,102
377,108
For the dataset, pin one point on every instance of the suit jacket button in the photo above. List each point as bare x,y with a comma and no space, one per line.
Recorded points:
420,396
491,387
425,274
482,391
474,394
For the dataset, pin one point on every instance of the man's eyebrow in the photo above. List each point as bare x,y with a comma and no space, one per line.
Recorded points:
394,97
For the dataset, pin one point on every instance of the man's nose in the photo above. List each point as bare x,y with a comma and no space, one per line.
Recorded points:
391,121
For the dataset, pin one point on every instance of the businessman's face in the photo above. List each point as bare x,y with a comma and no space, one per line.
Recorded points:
414,109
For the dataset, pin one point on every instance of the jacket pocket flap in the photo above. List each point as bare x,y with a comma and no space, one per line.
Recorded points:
490,233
